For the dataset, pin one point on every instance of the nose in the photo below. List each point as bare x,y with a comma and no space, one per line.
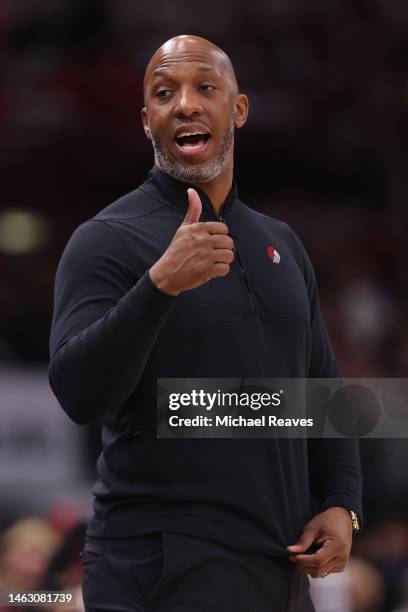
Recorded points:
188,103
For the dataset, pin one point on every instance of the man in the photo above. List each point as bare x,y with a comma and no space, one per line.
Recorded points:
176,279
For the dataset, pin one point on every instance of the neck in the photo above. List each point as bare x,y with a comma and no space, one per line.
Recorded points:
218,189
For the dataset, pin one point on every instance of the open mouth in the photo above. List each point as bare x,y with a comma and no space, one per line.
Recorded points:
193,142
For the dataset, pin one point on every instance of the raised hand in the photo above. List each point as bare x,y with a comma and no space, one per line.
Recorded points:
197,253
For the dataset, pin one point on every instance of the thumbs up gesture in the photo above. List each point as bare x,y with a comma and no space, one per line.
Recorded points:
197,253
195,208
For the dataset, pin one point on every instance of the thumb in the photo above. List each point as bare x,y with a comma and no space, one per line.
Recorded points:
194,207
306,539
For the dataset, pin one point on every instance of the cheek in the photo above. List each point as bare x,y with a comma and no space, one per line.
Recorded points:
159,121
221,116
160,133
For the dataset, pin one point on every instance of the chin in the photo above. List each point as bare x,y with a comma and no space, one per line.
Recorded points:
190,168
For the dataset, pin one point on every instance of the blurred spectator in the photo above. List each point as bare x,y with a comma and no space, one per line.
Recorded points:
360,588
63,571
403,594
25,550
366,586
331,594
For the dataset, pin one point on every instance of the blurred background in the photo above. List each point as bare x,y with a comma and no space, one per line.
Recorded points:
325,149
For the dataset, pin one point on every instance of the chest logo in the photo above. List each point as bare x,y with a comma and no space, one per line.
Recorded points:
273,254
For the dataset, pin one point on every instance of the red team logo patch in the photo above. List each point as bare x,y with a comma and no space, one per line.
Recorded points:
273,254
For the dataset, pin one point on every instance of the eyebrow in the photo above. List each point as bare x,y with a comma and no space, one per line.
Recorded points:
164,72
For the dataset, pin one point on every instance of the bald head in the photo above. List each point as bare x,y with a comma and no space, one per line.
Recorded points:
189,48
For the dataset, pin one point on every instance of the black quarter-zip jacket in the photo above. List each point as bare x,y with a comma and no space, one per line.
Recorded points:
114,333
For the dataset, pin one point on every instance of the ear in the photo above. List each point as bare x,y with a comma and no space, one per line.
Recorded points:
145,121
241,110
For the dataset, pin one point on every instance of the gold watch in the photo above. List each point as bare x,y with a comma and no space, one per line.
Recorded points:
355,521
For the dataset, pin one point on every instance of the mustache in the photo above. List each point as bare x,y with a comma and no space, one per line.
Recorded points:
186,121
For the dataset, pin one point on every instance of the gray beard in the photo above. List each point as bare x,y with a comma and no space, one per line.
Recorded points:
194,173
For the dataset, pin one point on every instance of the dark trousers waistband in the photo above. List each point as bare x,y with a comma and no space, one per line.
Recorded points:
172,572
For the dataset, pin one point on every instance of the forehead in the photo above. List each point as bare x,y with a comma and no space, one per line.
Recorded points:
173,60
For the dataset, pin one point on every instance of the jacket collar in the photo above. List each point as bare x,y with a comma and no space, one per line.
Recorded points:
175,194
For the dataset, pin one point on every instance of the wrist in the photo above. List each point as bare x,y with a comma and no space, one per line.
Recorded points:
161,281
352,516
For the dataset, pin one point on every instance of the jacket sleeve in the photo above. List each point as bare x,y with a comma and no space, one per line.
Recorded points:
105,323
334,463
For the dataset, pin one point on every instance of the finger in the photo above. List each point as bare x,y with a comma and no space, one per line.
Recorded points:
221,241
215,227
194,208
314,567
333,567
220,269
223,256
305,541
323,556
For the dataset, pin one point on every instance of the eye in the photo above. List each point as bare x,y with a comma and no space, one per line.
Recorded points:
206,87
163,93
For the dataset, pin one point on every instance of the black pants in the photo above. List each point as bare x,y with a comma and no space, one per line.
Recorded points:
171,572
